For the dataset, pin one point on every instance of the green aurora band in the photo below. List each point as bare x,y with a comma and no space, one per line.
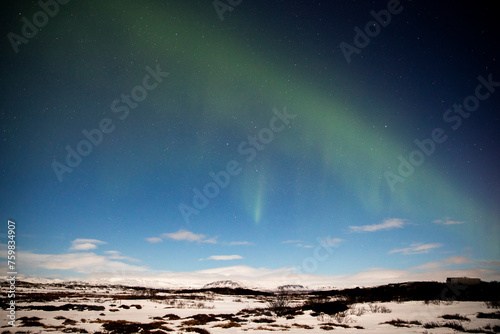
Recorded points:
188,41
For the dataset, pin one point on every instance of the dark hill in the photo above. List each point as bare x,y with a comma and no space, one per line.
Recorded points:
425,291
229,291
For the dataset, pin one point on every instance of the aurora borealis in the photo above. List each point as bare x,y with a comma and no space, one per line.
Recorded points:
276,188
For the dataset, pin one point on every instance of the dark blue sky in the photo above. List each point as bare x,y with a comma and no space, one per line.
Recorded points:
336,171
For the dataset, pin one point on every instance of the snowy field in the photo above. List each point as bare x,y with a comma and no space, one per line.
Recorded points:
84,309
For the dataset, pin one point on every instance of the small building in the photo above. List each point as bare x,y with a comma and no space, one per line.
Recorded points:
463,281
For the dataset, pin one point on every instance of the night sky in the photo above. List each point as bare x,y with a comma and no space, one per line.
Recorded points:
352,142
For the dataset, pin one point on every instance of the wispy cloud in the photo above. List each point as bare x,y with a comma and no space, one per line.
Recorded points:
210,241
104,269
448,221
298,243
84,263
269,278
491,263
416,249
240,243
116,255
183,235
456,260
430,266
446,262
154,240
387,224
224,257
291,241
85,244
79,262
329,242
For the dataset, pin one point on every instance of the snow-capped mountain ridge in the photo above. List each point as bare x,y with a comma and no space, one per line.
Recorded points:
168,284
225,284
292,287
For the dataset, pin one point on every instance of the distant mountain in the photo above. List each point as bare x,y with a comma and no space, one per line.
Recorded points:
324,288
293,287
225,284
41,280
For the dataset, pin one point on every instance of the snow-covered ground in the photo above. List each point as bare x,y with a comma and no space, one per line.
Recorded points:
181,313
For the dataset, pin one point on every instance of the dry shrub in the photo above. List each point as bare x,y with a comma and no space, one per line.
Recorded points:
171,316
280,303
327,308
229,324
199,320
379,308
455,317
302,326
74,330
493,315
31,322
69,322
492,304
127,327
402,323
264,320
196,330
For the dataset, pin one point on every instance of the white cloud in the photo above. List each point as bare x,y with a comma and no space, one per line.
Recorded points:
183,235
446,262
210,241
240,243
430,265
298,243
329,242
224,257
104,270
387,224
116,255
79,262
448,221
491,263
84,263
271,278
456,260
416,249
303,246
85,244
154,240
